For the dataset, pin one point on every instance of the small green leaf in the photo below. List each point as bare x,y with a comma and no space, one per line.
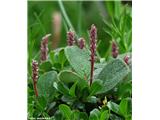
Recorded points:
57,66
94,114
72,90
82,89
67,76
45,84
74,115
125,89
92,99
113,106
116,117
66,111
56,55
45,66
45,115
51,56
79,60
67,99
51,106
83,93
112,74
124,107
82,84
80,105
104,115
95,87
61,87
61,57
42,101
58,115
83,116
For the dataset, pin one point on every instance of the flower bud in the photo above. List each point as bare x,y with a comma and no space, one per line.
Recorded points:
115,51
126,59
35,75
81,43
70,38
34,70
44,48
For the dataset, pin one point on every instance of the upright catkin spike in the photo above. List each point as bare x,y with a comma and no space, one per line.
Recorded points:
44,48
35,76
81,43
93,40
127,59
70,38
115,51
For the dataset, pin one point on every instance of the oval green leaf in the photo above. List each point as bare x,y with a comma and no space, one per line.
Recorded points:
67,76
79,60
112,74
45,84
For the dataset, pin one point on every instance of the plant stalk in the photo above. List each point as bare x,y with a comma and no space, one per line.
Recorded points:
65,14
93,39
92,69
35,89
35,76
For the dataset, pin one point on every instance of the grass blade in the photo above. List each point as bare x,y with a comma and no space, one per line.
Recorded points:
65,15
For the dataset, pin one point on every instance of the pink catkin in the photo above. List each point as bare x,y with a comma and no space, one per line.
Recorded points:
115,51
126,59
70,38
44,48
35,76
93,40
81,43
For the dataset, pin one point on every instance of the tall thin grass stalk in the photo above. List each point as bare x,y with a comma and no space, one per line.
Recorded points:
65,15
40,23
79,17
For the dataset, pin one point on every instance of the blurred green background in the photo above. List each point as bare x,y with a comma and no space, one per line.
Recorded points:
112,18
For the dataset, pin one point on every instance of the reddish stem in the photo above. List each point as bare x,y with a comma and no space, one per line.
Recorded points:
92,69
35,89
